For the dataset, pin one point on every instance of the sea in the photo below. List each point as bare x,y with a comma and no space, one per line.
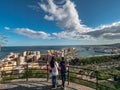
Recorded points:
19,49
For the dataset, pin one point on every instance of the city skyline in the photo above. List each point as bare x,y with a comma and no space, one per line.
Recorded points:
60,22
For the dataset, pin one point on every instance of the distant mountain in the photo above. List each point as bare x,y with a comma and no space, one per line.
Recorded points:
115,45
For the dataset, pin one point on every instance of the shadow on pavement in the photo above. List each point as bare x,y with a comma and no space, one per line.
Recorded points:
32,85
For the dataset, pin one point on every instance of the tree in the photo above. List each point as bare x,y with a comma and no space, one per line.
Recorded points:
2,40
71,54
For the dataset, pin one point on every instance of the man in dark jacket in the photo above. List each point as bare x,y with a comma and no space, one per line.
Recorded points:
63,71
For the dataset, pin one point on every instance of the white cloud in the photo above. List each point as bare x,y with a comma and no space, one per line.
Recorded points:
107,31
32,33
111,36
66,16
68,19
49,17
7,28
71,35
34,7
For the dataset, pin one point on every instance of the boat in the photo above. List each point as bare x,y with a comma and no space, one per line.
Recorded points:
108,51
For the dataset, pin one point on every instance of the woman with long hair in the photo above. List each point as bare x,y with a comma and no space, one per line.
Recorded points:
54,70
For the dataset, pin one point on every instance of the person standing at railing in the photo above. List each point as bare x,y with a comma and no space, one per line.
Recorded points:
54,70
63,71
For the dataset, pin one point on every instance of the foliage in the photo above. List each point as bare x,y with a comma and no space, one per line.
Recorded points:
9,77
30,73
95,60
109,86
34,73
73,78
3,39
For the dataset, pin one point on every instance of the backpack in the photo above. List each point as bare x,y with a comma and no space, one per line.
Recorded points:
63,67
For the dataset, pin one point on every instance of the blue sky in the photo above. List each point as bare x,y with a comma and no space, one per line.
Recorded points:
60,22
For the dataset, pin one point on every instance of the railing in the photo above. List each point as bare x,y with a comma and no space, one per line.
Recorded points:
89,80
74,75
24,72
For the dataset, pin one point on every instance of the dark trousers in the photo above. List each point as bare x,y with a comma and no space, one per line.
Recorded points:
63,77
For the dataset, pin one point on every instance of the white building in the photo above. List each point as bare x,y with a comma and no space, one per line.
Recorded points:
24,53
22,60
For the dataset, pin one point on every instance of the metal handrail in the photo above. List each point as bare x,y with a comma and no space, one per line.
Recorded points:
68,75
96,78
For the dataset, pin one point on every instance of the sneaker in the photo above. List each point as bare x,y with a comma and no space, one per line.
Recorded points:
64,88
55,86
54,89
58,85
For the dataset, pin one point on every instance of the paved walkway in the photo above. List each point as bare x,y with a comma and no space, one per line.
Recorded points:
37,84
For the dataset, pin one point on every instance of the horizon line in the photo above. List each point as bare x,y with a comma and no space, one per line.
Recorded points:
59,45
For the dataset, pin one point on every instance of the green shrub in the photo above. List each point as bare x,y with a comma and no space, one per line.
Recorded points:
95,60
34,73
9,77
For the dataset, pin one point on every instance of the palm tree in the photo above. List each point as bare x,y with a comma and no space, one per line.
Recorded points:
2,40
